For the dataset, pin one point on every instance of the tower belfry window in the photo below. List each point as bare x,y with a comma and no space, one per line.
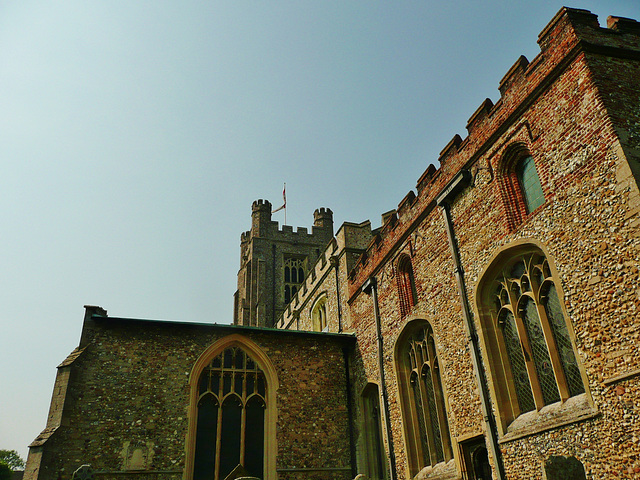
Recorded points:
294,272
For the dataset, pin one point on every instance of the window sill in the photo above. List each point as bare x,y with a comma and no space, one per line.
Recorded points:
575,409
440,471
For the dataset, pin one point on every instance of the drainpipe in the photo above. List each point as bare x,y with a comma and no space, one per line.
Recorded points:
334,261
352,445
371,287
273,285
444,200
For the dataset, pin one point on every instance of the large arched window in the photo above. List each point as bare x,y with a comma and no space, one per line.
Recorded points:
406,285
232,412
427,437
530,349
319,315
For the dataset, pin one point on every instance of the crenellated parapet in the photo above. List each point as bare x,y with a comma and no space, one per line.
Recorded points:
572,35
262,225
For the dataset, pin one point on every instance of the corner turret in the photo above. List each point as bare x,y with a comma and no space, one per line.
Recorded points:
323,218
260,217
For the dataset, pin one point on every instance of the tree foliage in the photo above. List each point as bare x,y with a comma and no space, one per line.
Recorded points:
12,459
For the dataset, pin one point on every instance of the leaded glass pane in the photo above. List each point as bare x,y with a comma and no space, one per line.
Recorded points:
215,383
226,382
422,427
433,413
540,352
516,359
230,436
205,456
254,443
517,270
563,342
530,184
203,384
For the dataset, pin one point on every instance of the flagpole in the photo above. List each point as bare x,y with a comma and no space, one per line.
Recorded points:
285,203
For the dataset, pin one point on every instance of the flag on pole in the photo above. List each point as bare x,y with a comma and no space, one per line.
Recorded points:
284,199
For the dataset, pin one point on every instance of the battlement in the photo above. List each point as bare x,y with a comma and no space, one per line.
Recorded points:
622,24
569,34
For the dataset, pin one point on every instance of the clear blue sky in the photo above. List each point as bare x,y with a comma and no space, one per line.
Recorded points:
135,135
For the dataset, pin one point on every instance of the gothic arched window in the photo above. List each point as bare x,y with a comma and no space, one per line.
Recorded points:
319,315
230,426
428,441
406,285
528,341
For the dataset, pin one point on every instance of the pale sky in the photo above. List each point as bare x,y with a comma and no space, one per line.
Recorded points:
134,137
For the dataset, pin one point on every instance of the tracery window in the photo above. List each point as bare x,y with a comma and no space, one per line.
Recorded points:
531,350
406,285
319,315
230,417
293,277
428,441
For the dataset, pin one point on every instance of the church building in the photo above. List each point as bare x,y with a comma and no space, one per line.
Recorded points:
488,329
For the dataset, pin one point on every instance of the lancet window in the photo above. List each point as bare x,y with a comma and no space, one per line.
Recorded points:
406,285
519,185
319,315
529,183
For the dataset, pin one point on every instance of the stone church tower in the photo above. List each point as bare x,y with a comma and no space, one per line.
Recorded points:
274,262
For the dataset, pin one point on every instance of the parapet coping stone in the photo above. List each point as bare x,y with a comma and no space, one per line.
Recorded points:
345,337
